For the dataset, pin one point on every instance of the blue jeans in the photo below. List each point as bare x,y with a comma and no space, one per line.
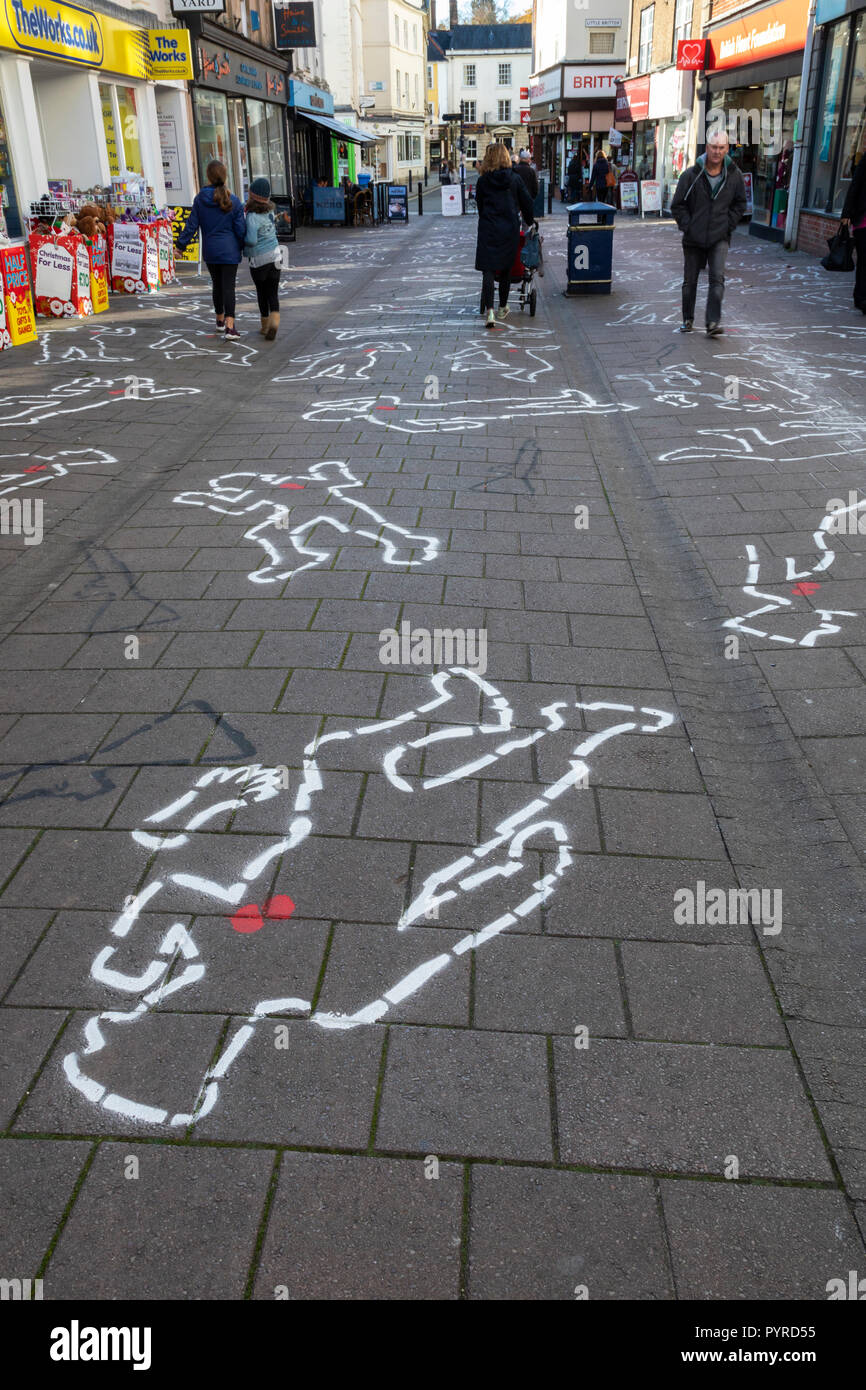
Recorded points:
713,258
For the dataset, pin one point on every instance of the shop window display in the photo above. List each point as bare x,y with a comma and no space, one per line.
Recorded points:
853,127
827,128
212,121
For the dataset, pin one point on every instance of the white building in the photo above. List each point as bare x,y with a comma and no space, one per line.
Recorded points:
485,74
579,56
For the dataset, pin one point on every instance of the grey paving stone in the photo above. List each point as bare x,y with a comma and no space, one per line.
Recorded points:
13,846
238,691
26,1036
28,692
58,796
20,929
21,652
366,961
672,1107
77,868
714,994
334,692
355,880
55,738
733,1242
473,909
595,666
451,1091
195,649
161,1235
448,813
319,1090
127,691
807,669
554,1235
839,762
543,984
825,712
37,1178
159,1062
290,650
397,1232
669,823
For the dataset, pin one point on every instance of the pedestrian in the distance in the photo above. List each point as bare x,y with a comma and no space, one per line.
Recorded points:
219,215
598,177
526,172
709,202
854,216
501,197
265,255
574,173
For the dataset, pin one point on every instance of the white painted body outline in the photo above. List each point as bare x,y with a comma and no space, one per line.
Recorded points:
479,355
338,364
56,346
33,404
566,401
467,873
776,604
177,344
60,466
237,494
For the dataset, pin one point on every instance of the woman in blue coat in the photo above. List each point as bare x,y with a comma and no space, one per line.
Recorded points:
219,216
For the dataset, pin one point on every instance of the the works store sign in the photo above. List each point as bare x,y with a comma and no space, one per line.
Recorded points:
217,67
55,31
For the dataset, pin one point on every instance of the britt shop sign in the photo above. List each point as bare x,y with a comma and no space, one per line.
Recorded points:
585,81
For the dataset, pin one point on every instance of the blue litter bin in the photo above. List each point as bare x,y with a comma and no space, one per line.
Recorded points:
590,248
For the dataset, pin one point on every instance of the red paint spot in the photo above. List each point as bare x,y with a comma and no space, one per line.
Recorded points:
292,485
35,468
752,398
278,908
386,407
806,586
247,918
117,393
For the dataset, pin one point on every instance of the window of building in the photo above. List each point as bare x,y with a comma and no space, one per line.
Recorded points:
415,38
505,74
601,40
828,126
682,23
471,147
397,88
408,149
645,47
853,132
405,33
468,111
416,91
397,31
468,74
505,111
429,76
406,89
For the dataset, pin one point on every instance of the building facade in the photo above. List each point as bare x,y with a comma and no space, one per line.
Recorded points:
395,73
579,61
657,97
92,100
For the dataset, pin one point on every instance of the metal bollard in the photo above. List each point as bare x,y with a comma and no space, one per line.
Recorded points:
420,201
425,175
410,180
550,198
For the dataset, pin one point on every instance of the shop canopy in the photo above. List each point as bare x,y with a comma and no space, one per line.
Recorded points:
345,132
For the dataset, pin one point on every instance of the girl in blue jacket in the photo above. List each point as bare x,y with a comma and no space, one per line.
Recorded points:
219,215
265,256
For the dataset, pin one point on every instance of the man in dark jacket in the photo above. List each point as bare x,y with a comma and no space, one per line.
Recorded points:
854,215
501,197
575,178
707,206
526,172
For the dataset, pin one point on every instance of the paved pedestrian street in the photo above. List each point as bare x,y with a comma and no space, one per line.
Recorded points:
449,883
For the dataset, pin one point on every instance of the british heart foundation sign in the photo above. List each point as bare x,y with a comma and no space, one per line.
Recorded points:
767,33
691,55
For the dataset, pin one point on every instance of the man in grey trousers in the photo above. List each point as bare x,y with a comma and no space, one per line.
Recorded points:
707,206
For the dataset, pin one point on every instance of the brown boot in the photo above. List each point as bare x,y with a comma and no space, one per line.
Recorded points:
266,323
274,325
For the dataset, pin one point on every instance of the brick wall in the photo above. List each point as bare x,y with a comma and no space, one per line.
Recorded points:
663,32
814,231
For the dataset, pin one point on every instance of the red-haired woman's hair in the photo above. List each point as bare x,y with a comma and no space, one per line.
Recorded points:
216,177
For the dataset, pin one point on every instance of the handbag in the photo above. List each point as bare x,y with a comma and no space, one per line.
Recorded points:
840,256
610,179
530,253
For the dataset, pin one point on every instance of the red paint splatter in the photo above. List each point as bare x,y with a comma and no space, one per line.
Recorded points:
386,407
35,468
251,917
752,398
292,485
806,586
248,918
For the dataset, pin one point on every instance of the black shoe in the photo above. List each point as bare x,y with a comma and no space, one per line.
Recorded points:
687,326
714,330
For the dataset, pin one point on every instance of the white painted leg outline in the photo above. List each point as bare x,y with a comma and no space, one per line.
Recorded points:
500,857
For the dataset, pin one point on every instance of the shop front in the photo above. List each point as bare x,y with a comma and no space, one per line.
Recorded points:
632,115
86,102
752,90
240,103
838,127
326,150
589,106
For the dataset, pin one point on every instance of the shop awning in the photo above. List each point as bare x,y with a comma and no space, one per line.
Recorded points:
345,132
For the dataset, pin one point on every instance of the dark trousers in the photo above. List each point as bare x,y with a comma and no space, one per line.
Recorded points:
223,279
487,280
266,279
860,269
713,258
